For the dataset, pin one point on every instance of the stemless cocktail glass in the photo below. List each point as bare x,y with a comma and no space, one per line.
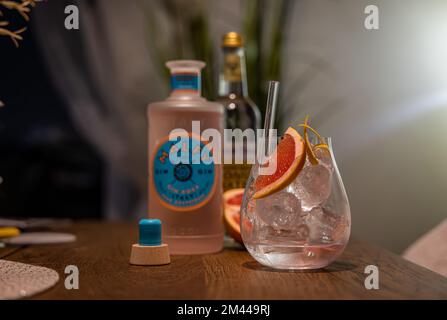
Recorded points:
306,225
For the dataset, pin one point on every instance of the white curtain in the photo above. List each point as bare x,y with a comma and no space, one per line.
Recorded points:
105,74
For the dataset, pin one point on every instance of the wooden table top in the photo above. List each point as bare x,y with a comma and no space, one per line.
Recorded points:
102,255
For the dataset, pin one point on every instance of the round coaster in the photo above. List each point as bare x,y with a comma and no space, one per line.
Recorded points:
41,238
19,280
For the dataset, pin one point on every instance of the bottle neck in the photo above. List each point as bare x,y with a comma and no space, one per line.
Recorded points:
186,83
233,75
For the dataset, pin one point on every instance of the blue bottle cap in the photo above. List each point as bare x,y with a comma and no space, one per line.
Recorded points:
150,232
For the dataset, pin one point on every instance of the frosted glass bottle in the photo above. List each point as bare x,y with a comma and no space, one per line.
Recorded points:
186,197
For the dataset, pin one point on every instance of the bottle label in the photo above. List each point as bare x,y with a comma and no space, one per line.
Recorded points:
185,82
232,67
187,185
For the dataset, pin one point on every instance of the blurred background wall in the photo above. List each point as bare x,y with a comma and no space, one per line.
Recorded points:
381,95
383,98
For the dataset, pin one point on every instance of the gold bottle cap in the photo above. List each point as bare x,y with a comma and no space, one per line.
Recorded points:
232,39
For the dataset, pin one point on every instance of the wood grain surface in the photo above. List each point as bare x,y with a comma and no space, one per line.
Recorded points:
102,255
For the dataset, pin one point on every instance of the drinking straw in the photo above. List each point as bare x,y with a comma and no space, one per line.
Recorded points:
270,113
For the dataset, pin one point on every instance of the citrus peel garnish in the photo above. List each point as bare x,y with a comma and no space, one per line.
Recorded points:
322,146
310,153
310,150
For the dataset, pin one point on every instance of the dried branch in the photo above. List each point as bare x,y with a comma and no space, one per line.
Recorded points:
22,7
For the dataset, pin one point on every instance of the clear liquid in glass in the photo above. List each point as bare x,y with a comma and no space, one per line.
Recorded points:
304,226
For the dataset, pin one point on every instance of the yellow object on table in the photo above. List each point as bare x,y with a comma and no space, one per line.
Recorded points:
9,232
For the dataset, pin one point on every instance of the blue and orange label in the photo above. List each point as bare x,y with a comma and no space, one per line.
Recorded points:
187,185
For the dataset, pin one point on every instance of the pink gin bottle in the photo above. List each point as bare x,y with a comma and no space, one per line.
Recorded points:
185,195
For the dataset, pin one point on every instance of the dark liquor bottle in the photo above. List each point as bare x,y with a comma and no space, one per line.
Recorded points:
240,111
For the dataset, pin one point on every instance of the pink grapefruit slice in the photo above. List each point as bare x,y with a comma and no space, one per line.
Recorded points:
233,198
290,156
232,212
232,218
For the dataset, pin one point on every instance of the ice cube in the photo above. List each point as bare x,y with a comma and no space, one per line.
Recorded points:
325,158
322,225
312,186
295,232
281,210
302,232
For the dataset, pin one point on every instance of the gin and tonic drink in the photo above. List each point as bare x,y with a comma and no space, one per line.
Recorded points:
299,216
